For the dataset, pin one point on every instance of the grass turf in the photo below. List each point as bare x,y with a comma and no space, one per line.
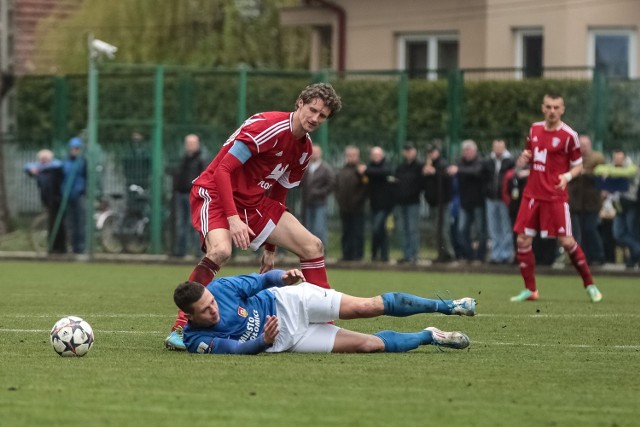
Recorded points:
558,361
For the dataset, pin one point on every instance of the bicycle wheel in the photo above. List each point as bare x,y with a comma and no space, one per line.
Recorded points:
136,234
39,233
110,236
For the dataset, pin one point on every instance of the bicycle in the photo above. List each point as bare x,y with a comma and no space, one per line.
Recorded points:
126,228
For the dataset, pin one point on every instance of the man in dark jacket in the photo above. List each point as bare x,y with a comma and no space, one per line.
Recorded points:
315,188
409,183
585,204
381,199
351,195
191,165
438,194
498,221
49,174
471,176
73,188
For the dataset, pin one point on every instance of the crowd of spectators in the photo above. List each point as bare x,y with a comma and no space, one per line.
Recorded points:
463,209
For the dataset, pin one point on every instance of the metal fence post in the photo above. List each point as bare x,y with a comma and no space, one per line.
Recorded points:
599,109
60,112
455,100
92,140
157,163
242,95
403,110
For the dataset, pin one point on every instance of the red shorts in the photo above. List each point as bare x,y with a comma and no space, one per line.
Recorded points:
208,214
551,219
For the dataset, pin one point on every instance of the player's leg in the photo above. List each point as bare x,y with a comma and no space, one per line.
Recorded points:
399,304
396,342
292,235
562,223
526,226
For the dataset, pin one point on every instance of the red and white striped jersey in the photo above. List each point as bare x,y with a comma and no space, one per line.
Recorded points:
553,152
276,156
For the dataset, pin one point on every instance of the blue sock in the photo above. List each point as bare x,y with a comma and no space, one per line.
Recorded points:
401,305
399,342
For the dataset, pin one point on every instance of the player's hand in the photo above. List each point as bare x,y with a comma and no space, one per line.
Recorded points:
563,182
292,277
270,330
241,234
524,159
268,261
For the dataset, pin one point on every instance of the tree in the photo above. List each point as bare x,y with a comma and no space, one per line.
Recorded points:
212,33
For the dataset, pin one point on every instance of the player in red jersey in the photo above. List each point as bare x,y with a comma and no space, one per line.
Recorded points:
553,150
240,198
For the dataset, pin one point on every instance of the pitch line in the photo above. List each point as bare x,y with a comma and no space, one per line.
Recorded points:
163,316
512,344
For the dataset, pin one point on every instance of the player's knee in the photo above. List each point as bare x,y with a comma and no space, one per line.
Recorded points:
370,344
219,254
313,248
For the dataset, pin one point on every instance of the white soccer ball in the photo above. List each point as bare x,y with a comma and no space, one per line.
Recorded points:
71,336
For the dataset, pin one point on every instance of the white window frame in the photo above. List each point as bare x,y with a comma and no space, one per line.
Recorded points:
632,35
432,49
520,34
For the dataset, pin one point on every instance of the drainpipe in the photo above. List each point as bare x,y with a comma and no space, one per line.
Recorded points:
342,29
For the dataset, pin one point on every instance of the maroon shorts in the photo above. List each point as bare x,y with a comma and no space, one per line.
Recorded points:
551,219
208,214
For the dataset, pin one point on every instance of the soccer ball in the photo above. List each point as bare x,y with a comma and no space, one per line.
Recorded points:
71,336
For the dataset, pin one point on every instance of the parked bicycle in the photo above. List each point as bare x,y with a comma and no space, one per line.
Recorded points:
126,226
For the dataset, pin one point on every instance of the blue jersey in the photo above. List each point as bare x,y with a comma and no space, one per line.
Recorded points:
244,304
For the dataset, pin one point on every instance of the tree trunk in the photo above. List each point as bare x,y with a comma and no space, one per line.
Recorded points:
5,84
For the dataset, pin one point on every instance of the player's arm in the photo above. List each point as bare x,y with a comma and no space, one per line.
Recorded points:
233,160
260,344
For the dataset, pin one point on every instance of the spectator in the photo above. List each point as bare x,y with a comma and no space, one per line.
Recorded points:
438,193
49,175
316,186
585,203
498,221
621,182
471,176
191,165
74,188
381,199
351,195
409,184
137,163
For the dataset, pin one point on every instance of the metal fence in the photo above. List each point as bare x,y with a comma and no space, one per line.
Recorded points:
385,108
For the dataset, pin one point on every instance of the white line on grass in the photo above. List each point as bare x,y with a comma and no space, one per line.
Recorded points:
84,315
618,347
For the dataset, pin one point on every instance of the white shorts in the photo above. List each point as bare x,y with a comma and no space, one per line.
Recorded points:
303,312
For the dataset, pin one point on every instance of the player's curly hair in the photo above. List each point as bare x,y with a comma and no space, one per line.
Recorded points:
323,91
186,294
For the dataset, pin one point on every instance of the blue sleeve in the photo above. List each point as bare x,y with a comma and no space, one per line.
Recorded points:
240,151
273,278
227,346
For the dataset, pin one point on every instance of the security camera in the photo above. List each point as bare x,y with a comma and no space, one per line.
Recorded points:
103,48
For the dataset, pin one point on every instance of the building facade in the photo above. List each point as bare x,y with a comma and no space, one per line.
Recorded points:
422,37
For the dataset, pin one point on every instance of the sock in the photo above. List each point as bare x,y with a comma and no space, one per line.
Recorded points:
399,342
204,272
401,305
315,272
527,263
579,261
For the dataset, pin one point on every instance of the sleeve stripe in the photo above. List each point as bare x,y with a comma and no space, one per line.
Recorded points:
271,131
576,162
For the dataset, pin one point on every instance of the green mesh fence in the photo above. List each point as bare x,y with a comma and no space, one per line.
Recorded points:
379,108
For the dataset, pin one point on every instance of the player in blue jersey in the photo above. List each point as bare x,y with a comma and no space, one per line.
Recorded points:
249,314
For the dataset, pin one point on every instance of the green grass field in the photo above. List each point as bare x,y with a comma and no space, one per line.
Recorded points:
557,361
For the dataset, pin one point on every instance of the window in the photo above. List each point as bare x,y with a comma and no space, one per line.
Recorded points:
613,52
529,53
428,56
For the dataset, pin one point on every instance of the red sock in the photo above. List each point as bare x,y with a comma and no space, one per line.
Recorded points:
315,272
204,273
527,263
579,261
